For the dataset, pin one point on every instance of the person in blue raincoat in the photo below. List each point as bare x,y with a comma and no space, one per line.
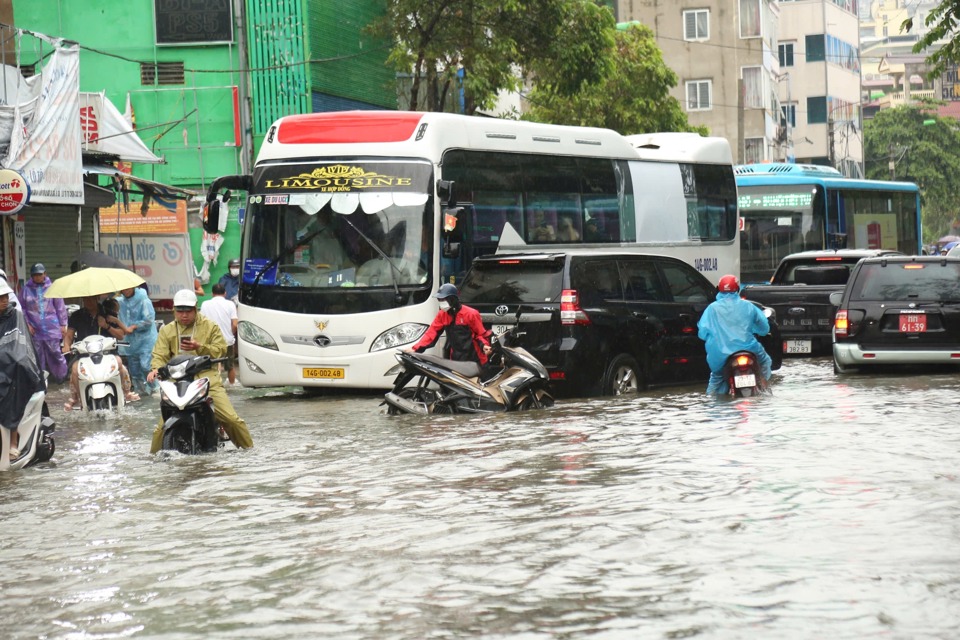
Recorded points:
136,312
728,325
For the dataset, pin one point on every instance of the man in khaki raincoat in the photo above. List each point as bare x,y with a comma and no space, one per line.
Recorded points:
195,334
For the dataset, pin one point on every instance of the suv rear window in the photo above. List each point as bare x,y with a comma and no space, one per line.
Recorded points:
512,281
931,281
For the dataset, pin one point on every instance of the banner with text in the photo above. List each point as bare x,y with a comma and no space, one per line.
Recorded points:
158,220
165,262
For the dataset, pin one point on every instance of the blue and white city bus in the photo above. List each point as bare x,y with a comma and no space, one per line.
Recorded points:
353,220
785,208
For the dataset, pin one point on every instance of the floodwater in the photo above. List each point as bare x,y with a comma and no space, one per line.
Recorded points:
828,509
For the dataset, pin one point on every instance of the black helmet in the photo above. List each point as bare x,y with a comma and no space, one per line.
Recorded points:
234,263
447,291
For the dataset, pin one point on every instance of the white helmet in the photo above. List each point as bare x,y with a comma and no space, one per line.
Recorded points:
4,288
184,298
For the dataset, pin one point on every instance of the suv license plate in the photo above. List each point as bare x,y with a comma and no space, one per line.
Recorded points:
324,373
913,323
500,329
797,346
747,380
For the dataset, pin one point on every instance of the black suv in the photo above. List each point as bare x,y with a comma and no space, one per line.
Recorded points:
898,310
601,323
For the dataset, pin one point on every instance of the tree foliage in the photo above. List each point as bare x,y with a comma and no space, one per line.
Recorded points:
925,149
632,97
943,22
492,42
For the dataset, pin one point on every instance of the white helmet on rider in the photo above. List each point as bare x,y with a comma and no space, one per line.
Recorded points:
184,298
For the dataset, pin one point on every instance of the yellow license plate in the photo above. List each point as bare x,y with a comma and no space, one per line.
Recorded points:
324,373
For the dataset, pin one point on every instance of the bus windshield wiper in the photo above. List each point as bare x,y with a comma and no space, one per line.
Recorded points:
394,270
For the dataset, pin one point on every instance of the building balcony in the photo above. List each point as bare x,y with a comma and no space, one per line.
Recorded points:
898,98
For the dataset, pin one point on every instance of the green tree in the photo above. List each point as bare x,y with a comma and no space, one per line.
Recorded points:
943,22
632,97
925,149
492,43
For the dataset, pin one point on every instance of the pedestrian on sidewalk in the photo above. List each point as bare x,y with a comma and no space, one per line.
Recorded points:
47,320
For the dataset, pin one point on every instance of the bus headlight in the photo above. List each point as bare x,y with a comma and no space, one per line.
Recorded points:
249,332
398,335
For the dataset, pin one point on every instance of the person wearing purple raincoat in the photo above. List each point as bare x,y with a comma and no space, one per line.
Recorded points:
47,320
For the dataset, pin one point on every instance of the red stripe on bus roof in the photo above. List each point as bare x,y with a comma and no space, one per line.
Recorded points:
348,126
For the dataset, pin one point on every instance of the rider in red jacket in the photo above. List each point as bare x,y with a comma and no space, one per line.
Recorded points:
466,337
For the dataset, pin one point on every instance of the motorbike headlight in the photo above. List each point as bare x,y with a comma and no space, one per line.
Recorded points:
178,370
398,335
249,332
94,346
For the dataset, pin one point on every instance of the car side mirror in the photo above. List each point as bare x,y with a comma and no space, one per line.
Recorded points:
836,297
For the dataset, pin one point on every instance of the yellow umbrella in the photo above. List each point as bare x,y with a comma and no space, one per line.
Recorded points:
92,282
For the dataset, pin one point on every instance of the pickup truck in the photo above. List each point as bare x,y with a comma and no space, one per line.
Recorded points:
799,292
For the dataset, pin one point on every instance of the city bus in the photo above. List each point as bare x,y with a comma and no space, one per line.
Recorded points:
785,208
354,219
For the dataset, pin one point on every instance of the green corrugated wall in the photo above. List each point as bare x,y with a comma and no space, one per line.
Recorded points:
355,62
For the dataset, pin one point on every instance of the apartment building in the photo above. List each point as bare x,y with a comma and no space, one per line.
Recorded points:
779,80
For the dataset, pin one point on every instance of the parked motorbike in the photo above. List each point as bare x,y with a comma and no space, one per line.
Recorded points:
98,371
452,386
744,375
36,436
189,425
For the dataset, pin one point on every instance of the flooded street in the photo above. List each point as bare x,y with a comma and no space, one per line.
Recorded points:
829,509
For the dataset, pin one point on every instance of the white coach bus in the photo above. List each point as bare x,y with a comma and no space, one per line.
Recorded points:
353,220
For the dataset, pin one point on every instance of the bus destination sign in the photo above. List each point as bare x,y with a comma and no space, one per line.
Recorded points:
781,200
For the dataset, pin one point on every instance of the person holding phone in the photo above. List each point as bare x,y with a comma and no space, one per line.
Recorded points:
194,334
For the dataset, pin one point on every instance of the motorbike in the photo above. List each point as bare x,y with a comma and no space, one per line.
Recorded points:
451,386
743,374
36,430
189,424
98,372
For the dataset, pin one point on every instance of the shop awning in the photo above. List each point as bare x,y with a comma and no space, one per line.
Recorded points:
126,183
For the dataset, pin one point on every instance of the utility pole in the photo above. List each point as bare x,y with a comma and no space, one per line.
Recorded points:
892,164
830,151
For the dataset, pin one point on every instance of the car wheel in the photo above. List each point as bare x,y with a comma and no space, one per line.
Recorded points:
623,376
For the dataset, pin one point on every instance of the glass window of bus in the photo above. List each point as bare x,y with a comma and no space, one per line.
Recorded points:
777,220
375,238
713,196
879,220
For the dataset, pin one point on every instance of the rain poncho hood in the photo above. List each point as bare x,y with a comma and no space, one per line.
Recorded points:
20,375
729,325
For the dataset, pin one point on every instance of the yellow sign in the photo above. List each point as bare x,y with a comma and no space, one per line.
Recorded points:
338,177
158,219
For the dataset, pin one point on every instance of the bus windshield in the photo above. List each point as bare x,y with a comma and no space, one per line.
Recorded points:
335,226
777,221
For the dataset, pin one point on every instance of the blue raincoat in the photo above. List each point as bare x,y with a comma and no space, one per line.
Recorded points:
136,312
729,325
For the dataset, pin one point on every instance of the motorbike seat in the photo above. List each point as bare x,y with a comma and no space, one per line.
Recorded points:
466,369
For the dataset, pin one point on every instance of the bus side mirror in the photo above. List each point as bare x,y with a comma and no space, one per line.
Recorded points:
451,249
211,217
446,193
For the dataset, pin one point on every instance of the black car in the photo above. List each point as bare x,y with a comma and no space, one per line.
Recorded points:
897,311
602,323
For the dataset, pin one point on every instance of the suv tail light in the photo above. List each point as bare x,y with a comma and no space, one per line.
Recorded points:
841,324
570,311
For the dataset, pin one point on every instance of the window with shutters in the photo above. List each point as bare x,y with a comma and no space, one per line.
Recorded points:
752,150
161,73
696,25
699,95
752,87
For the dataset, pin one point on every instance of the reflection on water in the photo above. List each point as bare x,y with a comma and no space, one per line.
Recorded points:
826,508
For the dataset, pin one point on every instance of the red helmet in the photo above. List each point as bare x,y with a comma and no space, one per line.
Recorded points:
729,284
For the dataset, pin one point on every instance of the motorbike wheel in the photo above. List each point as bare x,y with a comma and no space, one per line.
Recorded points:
623,376
46,449
100,404
180,439
416,394
531,402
